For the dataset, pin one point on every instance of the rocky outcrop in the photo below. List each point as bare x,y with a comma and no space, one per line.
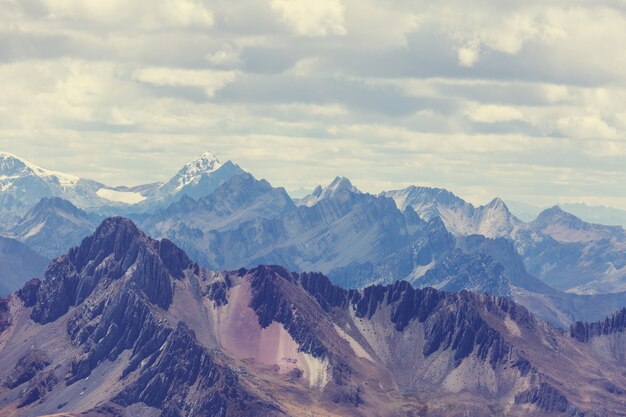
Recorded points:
272,301
116,249
148,331
583,332
122,284
106,328
547,398
28,293
37,388
5,316
26,368
183,379
451,320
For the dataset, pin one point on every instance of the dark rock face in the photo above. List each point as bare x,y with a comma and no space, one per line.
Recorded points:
37,388
106,329
121,283
182,379
5,316
583,332
451,321
545,397
116,248
28,293
218,291
272,302
26,368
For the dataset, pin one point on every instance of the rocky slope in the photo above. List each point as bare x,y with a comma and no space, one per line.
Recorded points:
124,325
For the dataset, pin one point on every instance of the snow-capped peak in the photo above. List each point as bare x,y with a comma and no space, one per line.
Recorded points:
13,167
191,173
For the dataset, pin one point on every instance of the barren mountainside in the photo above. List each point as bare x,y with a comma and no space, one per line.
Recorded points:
130,326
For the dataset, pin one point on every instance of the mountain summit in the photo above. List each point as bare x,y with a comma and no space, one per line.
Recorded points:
23,184
196,179
340,186
192,172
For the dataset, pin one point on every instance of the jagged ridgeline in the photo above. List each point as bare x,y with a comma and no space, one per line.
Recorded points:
559,267
124,325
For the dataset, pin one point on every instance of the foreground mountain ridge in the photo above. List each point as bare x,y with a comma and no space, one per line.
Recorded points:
129,326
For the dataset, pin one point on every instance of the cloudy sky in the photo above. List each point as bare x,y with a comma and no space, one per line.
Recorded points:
521,99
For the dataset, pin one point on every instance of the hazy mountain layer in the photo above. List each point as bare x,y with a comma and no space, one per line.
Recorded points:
18,264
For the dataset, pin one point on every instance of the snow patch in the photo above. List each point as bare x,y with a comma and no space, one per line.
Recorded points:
356,347
192,172
126,197
512,327
34,230
239,333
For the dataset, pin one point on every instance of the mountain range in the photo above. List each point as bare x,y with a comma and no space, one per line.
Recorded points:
124,325
561,268
23,184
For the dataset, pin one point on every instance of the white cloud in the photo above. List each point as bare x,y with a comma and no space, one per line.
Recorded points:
345,84
317,18
226,56
210,81
139,13
586,127
493,113
468,55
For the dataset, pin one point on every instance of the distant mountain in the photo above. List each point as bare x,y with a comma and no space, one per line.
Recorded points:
53,226
573,255
128,326
18,264
337,186
460,217
23,184
524,211
357,238
225,218
597,214
564,251
196,179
